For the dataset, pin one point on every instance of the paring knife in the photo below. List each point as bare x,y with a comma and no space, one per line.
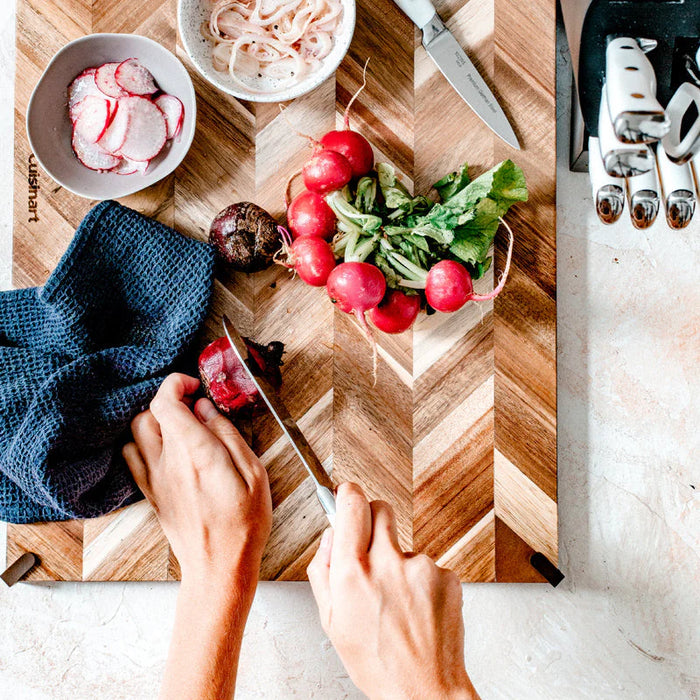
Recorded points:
620,159
455,65
608,191
677,189
635,113
643,195
324,485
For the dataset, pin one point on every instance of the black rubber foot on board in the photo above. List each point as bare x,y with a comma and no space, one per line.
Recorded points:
545,567
19,569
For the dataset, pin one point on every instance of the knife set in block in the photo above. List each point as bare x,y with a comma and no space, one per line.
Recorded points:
638,78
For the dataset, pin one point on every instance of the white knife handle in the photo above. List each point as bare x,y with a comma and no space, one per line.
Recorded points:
608,191
680,149
620,159
636,114
420,12
672,175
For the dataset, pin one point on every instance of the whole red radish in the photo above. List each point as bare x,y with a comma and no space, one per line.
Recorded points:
312,258
448,286
356,287
309,215
396,312
355,147
326,171
226,381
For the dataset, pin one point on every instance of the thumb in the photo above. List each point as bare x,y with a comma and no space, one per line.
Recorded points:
318,572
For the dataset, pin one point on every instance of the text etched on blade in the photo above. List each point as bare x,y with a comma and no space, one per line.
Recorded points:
33,189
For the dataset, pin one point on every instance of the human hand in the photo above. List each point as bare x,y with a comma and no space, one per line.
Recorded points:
209,490
395,619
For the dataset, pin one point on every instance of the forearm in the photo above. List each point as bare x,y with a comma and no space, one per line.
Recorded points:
209,623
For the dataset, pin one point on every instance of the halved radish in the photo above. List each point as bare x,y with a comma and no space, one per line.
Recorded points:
91,118
134,78
115,135
104,79
147,132
81,87
174,113
92,155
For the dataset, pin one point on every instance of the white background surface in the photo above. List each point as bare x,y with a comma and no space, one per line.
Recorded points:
626,621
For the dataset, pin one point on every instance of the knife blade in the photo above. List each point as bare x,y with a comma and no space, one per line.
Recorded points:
455,65
313,465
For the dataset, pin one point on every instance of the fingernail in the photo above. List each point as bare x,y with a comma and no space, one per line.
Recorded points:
326,538
206,410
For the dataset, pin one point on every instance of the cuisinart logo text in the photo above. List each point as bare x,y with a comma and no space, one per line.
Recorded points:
33,193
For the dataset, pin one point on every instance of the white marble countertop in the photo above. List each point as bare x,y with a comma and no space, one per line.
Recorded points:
624,624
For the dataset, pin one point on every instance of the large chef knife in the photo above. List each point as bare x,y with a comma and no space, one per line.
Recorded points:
324,485
455,65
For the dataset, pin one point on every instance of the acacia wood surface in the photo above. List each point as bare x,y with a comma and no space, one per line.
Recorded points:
459,433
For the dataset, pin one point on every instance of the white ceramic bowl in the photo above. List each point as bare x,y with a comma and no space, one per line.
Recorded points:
191,14
49,127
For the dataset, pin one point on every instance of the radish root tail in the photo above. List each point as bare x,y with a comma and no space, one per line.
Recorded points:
288,188
284,255
504,275
361,321
346,117
312,141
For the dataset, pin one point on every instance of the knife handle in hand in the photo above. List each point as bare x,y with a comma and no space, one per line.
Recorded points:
420,12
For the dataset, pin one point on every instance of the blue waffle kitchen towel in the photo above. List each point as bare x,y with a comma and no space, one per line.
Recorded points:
82,355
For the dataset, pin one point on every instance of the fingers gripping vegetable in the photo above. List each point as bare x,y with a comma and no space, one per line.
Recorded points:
245,236
309,215
226,381
396,313
310,257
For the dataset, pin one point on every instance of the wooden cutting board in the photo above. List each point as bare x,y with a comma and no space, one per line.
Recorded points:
459,434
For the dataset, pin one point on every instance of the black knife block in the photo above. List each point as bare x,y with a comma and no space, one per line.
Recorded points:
675,24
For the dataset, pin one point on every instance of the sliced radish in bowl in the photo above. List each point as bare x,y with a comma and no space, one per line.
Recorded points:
92,155
104,79
134,78
115,135
92,117
147,131
174,113
83,86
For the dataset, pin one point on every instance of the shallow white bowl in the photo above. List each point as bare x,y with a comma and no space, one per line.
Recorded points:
49,127
191,14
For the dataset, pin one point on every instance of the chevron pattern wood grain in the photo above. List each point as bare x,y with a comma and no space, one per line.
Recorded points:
459,432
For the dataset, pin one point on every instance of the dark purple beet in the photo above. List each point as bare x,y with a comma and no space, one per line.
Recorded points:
245,236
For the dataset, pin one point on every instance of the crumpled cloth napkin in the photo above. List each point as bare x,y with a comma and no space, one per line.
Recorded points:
82,355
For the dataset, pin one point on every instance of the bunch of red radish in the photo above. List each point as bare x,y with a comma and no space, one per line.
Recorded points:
360,288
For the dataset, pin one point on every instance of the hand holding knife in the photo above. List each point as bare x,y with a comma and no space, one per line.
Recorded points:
324,485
